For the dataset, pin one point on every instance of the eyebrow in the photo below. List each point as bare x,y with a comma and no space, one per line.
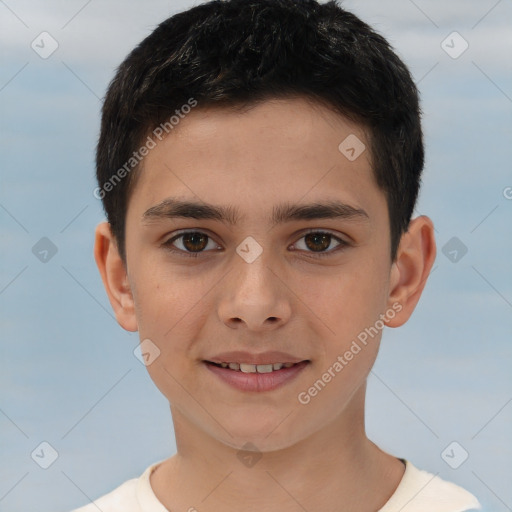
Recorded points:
171,208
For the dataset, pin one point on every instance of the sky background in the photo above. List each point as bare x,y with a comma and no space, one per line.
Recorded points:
68,374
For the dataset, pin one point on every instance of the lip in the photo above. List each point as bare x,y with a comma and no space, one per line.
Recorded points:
257,382
240,356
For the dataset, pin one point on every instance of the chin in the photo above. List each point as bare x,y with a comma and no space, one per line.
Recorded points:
272,434
259,444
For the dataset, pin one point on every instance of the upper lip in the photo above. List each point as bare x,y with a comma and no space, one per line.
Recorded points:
239,356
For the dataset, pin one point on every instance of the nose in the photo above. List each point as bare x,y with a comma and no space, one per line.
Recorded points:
255,296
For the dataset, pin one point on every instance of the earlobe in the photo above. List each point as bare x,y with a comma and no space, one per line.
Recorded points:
410,271
114,277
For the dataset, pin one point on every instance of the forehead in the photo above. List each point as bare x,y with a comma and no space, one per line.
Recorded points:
282,149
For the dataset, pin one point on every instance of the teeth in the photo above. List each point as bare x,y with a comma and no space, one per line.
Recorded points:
248,368
264,368
256,368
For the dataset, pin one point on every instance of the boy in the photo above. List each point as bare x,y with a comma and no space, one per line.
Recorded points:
259,162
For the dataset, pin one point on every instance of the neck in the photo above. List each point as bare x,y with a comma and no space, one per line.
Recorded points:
337,464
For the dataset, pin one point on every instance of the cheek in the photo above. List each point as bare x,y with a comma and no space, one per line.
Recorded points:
172,308
168,312
163,300
349,305
346,301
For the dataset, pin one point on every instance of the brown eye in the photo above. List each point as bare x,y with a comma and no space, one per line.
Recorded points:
195,241
316,243
192,243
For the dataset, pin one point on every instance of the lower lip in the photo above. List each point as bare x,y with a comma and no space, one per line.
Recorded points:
257,381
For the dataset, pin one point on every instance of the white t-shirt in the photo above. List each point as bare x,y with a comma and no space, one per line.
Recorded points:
418,491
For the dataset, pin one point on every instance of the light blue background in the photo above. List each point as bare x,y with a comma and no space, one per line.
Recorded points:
68,373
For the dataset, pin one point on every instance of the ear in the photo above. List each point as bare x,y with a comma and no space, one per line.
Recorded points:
411,268
114,276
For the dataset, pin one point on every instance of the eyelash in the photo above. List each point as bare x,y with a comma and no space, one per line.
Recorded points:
342,244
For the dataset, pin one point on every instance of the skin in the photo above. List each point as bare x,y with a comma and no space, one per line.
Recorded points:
287,299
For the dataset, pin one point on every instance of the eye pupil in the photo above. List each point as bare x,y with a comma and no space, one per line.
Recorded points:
194,243
195,239
323,238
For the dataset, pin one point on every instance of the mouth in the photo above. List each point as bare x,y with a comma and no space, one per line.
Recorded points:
249,377
254,368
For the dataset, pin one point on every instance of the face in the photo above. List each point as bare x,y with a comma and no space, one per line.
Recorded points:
264,277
